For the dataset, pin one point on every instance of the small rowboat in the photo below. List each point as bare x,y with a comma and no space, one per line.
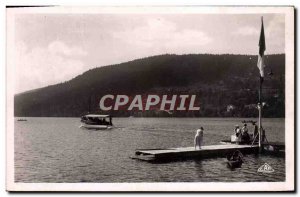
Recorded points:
235,160
235,164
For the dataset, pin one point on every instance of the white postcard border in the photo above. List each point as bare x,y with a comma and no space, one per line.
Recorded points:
195,186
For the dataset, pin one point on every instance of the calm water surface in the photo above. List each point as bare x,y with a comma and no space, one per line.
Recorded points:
56,150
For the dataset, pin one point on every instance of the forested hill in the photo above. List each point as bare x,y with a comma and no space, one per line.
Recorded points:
227,85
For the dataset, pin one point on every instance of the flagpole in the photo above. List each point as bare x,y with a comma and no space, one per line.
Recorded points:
262,48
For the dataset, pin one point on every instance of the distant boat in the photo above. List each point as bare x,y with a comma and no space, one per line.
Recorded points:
97,122
21,120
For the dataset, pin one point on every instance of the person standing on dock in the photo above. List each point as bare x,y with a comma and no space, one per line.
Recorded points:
198,141
255,132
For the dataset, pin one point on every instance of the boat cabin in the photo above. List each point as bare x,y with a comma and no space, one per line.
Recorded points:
95,119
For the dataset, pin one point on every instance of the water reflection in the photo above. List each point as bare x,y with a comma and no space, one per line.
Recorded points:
56,150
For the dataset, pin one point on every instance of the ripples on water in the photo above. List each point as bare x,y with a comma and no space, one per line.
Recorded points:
56,150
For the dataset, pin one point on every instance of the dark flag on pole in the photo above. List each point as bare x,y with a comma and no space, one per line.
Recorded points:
262,48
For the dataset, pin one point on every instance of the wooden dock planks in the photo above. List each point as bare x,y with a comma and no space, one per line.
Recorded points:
189,152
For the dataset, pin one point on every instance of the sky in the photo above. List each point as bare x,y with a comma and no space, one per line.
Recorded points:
53,48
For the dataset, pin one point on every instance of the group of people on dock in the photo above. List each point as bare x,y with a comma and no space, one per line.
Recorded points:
242,135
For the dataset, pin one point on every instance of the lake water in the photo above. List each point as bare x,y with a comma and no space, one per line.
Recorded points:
57,150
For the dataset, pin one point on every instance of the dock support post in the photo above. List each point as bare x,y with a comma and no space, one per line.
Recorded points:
260,105
259,128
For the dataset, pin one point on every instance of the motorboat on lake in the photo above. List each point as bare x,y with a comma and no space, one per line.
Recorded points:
97,122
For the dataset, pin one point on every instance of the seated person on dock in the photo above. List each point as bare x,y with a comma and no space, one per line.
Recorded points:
237,130
245,128
198,141
245,135
238,134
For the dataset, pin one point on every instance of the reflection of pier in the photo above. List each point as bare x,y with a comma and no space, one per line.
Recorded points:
191,153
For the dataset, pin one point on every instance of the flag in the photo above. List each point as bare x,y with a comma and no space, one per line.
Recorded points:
262,48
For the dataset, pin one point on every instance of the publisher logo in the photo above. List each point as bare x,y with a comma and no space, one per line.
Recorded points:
266,168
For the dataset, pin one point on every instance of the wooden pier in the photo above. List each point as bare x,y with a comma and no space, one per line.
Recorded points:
192,153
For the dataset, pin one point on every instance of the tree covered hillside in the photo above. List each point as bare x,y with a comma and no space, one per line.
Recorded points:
226,85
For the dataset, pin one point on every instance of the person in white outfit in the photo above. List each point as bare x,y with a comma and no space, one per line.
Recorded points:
238,134
198,141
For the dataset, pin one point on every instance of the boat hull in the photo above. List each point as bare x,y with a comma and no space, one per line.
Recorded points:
96,127
234,164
